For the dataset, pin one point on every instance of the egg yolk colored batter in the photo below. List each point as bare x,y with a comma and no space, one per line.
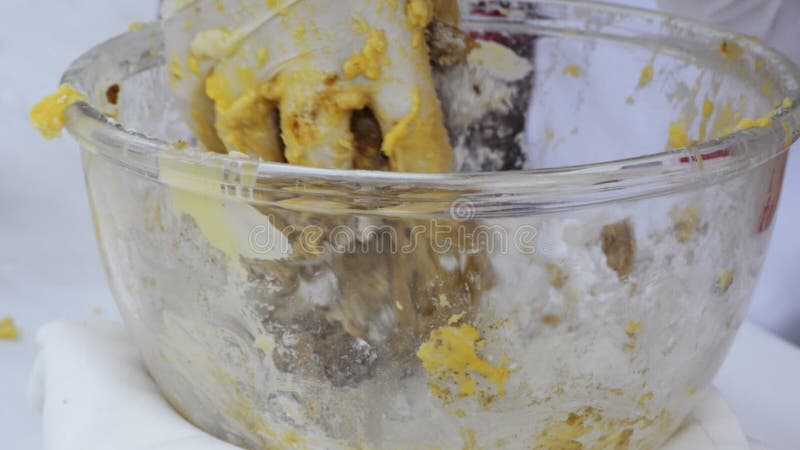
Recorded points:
49,116
8,331
451,359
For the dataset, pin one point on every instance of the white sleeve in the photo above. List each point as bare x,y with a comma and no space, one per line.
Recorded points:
776,22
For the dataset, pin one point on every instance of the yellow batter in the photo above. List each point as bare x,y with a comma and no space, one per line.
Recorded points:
452,361
8,331
49,116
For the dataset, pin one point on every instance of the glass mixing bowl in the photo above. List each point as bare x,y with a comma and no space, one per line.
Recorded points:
579,303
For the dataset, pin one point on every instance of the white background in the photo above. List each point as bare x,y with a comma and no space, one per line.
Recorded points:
50,269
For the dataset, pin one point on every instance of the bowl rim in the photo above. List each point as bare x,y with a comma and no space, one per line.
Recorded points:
650,174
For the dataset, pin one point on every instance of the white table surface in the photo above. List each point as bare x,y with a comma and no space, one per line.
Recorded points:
49,267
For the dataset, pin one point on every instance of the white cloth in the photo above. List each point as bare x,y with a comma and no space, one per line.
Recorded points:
95,394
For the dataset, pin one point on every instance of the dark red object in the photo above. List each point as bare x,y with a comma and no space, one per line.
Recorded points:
774,193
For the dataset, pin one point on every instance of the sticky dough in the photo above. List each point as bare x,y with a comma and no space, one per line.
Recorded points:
281,79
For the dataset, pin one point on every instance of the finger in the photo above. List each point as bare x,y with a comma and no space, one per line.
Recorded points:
316,111
181,21
247,123
406,106
197,36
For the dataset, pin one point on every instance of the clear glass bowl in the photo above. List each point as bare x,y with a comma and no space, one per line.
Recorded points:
580,303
